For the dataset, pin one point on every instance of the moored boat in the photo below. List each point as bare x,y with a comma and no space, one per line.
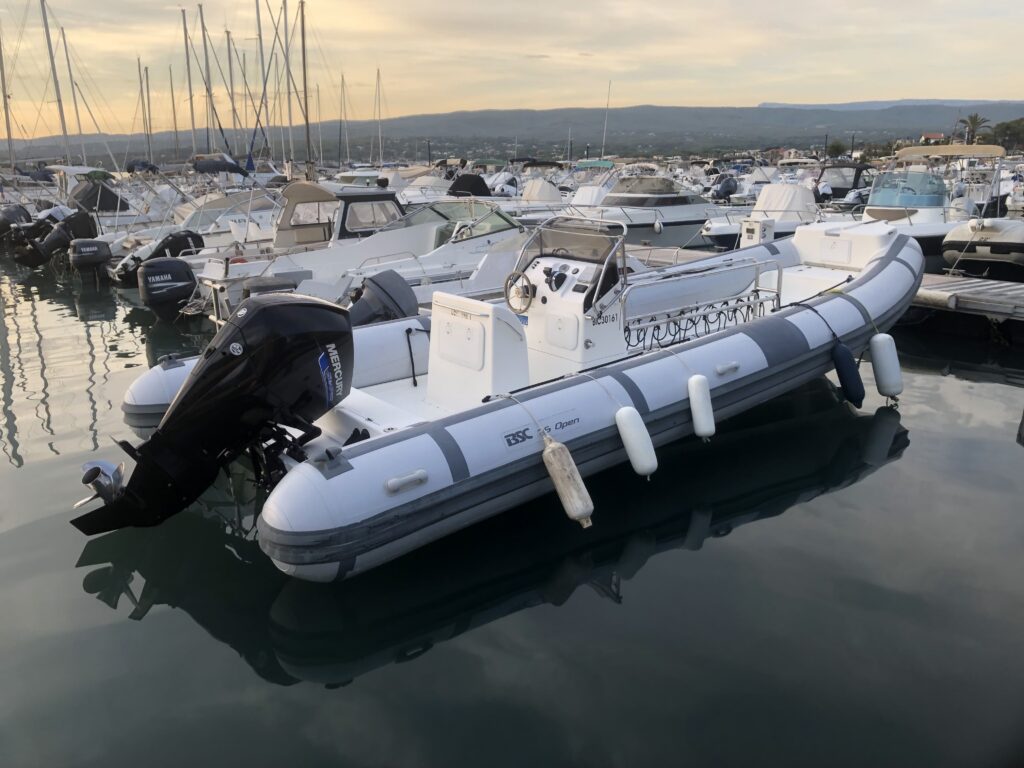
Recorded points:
593,359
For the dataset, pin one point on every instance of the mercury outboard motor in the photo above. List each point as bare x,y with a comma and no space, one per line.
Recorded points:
85,254
165,286
124,273
280,361
384,296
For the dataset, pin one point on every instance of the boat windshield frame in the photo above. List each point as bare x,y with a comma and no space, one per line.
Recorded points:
594,241
905,188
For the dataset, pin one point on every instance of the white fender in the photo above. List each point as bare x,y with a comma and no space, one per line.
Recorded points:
569,485
701,410
886,364
658,227
637,441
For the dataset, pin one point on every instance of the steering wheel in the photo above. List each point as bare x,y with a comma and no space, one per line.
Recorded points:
560,251
518,292
908,190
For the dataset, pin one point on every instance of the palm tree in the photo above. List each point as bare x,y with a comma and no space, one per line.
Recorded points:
973,124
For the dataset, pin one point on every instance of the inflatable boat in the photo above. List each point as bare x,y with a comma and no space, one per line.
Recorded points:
288,630
984,242
592,359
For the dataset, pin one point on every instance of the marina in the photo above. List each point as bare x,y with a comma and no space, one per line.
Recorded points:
455,433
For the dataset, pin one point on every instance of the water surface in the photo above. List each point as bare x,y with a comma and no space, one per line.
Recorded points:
815,586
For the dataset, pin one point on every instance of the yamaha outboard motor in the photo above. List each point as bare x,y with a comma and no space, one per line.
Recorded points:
280,360
384,296
85,254
124,274
165,286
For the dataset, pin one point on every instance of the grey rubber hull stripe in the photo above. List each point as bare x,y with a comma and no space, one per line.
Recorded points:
591,452
634,392
451,451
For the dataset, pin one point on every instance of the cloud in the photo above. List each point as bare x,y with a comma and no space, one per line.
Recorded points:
544,55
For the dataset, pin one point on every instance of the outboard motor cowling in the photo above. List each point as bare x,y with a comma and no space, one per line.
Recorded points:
384,296
11,215
165,286
280,360
79,224
124,273
85,254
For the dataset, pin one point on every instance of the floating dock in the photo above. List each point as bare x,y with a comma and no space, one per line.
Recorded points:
995,299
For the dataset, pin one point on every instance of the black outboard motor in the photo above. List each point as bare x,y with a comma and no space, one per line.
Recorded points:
165,286
281,359
85,254
11,215
80,224
36,253
384,296
124,273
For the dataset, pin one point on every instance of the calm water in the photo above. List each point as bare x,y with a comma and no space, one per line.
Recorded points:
814,587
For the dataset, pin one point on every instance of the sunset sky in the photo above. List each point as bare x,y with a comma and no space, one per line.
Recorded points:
467,54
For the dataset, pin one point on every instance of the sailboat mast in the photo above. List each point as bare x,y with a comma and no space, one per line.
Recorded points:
319,126
56,81
231,95
305,92
263,73
74,96
607,104
288,81
380,130
188,75
208,77
174,114
149,116
7,105
145,119
344,118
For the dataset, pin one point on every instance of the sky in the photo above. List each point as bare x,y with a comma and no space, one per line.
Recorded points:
468,54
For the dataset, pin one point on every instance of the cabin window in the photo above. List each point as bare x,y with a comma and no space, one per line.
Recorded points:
370,215
313,213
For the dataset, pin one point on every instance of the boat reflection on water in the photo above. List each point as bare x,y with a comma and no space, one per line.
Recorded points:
980,360
206,562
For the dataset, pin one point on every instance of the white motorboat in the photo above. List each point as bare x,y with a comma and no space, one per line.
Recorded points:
786,205
915,195
982,244
442,243
593,359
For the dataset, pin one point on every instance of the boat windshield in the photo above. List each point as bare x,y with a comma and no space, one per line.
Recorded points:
578,239
444,211
908,189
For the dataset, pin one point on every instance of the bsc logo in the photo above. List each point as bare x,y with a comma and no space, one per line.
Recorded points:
517,437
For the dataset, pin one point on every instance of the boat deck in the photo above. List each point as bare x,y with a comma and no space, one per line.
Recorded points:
995,299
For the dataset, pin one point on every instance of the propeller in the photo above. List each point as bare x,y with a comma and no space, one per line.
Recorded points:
106,480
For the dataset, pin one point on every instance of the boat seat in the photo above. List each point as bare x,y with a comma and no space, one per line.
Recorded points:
477,349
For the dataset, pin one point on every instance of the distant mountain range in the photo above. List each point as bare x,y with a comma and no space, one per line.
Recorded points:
637,130
852,106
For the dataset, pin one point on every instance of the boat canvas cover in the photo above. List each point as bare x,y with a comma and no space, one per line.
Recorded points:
785,202
952,150
97,198
470,184
541,191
